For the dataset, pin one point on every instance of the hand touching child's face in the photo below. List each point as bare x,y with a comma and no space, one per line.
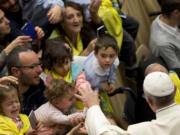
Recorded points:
106,57
11,105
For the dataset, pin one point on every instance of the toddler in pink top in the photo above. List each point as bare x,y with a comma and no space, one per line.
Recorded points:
59,109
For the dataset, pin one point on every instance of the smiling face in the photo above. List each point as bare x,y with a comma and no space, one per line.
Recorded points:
11,105
30,68
73,20
4,25
106,57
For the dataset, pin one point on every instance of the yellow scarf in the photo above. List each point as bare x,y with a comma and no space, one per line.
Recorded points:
111,20
8,127
174,77
67,78
79,49
76,51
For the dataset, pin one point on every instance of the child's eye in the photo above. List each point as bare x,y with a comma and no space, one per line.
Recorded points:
79,14
66,62
112,56
9,104
103,55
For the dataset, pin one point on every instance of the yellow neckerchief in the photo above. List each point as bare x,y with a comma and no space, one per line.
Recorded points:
111,20
76,51
79,49
174,77
67,78
55,33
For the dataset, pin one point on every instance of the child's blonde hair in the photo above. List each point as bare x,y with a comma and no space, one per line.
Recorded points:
4,92
57,88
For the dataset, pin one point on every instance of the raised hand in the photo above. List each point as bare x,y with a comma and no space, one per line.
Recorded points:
55,14
8,79
20,40
88,96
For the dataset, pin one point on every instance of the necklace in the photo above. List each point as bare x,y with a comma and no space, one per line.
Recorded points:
18,122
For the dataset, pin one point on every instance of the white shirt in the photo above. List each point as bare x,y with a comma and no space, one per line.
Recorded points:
167,123
174,31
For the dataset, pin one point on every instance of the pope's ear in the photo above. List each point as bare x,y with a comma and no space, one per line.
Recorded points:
148,100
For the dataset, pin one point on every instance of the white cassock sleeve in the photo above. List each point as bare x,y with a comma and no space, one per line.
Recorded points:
97,124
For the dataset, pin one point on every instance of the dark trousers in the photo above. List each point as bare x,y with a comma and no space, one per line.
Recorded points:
128,50
131,26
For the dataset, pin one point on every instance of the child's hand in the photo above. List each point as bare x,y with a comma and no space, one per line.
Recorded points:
111,88
105,86
91,45
48,80
55,14
76,120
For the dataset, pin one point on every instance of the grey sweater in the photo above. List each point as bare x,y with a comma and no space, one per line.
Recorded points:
165,45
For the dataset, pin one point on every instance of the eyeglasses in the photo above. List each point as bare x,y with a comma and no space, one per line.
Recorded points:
31,66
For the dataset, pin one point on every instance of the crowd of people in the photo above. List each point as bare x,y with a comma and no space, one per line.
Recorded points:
66,74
